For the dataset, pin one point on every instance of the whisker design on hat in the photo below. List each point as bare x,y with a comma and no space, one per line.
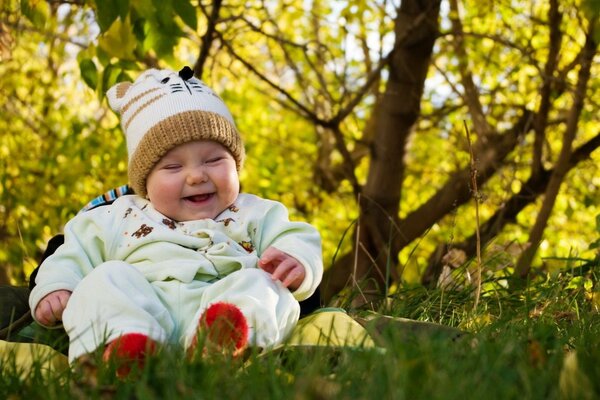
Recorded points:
178,88
158,114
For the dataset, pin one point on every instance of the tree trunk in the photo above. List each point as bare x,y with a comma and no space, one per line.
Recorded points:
416,29
453,194
4,276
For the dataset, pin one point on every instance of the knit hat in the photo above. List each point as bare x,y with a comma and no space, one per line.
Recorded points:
163,109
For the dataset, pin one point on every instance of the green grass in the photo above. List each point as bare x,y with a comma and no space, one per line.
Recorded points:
539,343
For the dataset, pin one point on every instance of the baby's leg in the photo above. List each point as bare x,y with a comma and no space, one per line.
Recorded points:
114,299
270,309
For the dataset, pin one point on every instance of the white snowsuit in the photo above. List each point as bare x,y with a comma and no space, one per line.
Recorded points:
133,270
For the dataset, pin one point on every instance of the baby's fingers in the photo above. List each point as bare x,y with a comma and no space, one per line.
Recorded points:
294,278
283,269
44,313
63,298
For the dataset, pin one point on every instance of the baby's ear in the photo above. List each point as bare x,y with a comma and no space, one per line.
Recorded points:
116,94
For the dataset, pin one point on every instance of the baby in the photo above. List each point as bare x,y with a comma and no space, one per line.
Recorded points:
188,254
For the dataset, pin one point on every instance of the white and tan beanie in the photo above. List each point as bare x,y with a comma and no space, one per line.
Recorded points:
163,109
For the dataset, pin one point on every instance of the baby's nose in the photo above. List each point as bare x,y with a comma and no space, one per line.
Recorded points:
196,176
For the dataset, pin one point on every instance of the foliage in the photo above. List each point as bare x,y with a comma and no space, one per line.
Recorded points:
304,81
51,129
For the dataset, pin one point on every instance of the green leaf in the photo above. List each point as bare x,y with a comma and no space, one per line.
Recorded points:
119,40
107,11
147,9
35,11
127,65
89,73
123,7
124,77
187,12
110,77
591,8
138,26
161,43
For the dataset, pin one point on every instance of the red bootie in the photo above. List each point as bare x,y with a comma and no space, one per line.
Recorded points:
224,329
129,350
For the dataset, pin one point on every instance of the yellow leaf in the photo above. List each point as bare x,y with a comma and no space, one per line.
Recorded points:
24,357
330,328
119,40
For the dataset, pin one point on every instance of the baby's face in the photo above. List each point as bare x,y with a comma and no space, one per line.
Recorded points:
195,180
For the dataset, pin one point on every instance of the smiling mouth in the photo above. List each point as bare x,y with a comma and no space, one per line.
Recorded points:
198,198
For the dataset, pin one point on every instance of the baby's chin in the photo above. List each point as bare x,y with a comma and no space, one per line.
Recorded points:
196,214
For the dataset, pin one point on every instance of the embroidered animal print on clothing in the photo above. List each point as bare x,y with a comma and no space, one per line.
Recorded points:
143,231
169,222
248,246
226,221
127,212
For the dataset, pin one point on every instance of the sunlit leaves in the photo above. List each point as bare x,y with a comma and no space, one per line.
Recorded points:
140,29
36,11
119,40
591,9
107,11
187,12
507,46
89,73
51,130
286,69
596,243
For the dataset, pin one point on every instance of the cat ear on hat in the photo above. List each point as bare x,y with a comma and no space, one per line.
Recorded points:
116,95
186,73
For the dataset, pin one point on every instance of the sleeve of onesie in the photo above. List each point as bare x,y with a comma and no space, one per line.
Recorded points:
298,239
83,249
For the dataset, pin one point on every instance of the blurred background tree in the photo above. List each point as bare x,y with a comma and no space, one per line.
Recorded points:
355,114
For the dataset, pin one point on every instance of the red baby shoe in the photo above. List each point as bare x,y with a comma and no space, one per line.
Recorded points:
224,329
129,350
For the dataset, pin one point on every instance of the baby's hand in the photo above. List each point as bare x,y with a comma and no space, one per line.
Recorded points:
50,309
282,267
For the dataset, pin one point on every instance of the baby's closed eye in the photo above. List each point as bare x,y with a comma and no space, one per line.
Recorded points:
171,166
214,160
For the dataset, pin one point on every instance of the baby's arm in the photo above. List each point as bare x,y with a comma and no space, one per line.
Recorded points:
276,239
50,309
85,246
282,267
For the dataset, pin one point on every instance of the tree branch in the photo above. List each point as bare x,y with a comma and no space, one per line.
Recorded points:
562,164
456,190
541,118
471,95
208,37
506,214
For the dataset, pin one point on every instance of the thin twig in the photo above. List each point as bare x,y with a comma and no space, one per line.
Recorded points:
208,37
473,169
356,247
